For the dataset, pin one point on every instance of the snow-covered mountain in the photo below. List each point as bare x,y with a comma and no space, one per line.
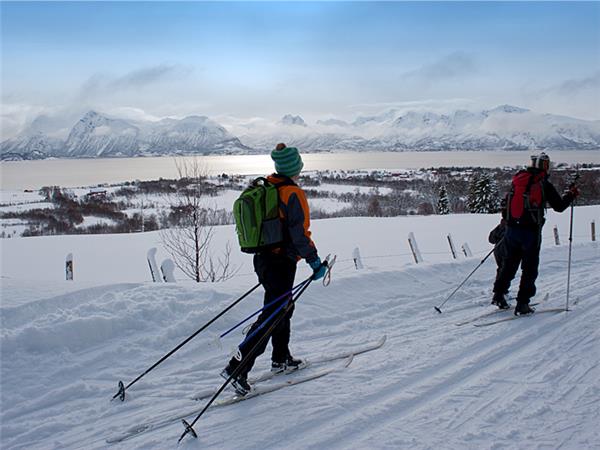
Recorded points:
29,146
96,135
289,119
504,127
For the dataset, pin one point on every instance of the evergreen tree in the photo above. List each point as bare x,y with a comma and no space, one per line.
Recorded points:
483,194
443,206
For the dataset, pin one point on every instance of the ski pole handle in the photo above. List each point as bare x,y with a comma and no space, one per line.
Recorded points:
329,264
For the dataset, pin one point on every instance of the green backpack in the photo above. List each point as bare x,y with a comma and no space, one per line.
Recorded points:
256,214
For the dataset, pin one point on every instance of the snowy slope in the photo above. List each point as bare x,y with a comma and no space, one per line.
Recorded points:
528,383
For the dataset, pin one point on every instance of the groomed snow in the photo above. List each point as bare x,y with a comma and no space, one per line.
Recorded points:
530,383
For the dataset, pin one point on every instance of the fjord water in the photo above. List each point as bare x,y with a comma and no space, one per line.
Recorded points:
88,172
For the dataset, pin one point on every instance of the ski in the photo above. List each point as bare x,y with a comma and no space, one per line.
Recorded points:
496,311
265,389
364,348
513,317
261,390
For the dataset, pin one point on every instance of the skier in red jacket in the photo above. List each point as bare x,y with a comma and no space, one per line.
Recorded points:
524,216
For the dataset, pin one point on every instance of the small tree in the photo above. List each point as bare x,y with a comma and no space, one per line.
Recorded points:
443,206
189,240
483,194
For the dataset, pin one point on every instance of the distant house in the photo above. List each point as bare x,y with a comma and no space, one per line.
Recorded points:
96,193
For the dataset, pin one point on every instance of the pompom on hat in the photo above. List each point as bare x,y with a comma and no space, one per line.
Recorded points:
287,160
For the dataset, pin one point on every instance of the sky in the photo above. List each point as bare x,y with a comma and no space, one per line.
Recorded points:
230,60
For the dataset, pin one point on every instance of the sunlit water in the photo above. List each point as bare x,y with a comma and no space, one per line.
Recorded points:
88,172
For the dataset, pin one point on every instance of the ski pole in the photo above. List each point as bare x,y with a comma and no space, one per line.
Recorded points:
438,308
291,291
189,427
274,313
569,264
123,388
574,180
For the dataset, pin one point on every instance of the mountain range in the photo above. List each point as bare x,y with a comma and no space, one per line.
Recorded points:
505,127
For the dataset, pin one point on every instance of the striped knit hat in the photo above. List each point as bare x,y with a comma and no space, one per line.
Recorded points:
287,160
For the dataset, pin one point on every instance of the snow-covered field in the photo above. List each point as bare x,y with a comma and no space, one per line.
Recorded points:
530,383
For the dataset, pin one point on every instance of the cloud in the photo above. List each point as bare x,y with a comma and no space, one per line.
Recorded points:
450,76
577,97
16,116
149,75
101,84
577,86
436,105
132,113
455,65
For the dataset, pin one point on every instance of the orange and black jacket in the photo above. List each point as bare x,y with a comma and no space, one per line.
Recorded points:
295,215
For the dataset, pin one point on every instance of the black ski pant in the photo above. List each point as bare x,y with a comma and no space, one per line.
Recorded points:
520,246
276,273
499,255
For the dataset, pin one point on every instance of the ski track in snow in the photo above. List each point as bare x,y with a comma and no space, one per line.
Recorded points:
529,383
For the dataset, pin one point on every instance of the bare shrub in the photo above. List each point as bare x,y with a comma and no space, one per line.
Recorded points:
188,241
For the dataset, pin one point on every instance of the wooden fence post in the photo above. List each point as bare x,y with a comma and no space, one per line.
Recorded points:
556,238
412,242
152,264
467,250
452,249
168,271
593,231
357,259
69,267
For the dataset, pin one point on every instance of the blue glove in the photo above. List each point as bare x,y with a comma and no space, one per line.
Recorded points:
319,269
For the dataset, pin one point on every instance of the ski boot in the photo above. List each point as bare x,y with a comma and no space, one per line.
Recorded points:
500,301
523,309
288,365
239,382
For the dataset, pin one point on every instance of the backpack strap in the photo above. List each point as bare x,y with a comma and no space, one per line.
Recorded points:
538,215
530,182
285,181
511,194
